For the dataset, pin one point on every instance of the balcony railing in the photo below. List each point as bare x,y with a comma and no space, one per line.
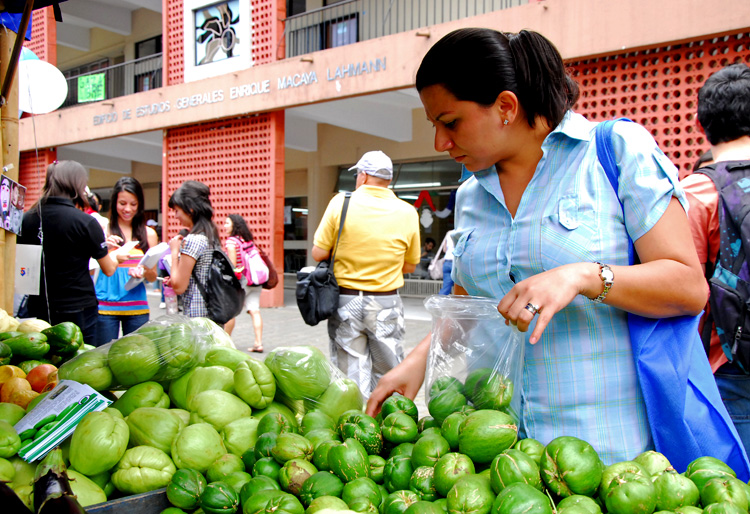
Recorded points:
359,20
119,80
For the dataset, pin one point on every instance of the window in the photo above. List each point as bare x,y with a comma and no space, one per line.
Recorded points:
295,7
295,233
341,32
147,72
148,47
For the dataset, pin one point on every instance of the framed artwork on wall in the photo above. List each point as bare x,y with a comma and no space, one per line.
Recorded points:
218,37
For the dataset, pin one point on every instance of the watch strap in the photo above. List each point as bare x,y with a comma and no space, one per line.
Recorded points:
605,280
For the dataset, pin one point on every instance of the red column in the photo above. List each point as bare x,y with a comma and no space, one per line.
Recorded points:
33,165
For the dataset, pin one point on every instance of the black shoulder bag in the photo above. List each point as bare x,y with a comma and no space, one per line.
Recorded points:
223,293
318,290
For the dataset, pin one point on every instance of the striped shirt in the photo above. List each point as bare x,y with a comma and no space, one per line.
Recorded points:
196,246
579,379
114,298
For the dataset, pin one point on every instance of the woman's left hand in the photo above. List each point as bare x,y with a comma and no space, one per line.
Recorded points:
136,272
543,295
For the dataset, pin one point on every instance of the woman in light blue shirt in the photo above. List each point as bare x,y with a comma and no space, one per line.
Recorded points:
540,228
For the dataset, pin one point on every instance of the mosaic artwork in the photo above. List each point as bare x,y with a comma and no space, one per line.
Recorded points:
216,32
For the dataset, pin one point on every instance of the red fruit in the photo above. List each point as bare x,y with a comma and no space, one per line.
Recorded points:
40,376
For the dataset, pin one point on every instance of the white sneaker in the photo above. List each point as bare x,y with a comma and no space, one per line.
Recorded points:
162,305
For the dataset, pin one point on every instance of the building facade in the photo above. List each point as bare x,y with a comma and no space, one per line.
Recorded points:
269,101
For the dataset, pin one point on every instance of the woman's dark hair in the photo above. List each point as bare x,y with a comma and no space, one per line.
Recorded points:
527,64
95,202
240,228
138,227
67,179
192,198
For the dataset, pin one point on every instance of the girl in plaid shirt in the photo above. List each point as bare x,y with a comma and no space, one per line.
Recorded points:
193,210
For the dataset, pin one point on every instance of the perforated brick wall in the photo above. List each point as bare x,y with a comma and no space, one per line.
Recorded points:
658,88
32,172
266,25
241,160
173,52
32,166
43,40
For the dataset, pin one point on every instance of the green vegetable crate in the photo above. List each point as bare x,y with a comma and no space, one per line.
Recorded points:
152,502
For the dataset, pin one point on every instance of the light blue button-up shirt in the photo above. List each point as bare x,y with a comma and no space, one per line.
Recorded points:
579,379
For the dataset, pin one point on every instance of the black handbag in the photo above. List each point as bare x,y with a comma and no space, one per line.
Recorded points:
318,290
223,293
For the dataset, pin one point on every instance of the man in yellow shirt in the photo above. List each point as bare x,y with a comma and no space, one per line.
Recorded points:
379,243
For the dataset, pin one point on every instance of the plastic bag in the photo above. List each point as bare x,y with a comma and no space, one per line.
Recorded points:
215,335
306,380
475,359
161,350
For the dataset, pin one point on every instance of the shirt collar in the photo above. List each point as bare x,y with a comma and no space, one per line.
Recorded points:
573,125
59,200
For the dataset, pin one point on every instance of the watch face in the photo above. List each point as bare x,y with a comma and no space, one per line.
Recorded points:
607,275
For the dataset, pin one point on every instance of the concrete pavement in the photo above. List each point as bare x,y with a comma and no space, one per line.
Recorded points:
283,326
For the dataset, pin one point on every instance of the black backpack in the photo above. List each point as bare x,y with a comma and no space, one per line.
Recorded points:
223,293
729,282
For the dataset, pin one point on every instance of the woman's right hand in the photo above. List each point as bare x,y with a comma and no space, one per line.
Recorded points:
175,243
405,379
114,242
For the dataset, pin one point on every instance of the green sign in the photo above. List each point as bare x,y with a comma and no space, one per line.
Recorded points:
91,88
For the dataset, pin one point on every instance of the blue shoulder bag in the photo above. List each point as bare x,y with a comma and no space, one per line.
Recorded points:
685,411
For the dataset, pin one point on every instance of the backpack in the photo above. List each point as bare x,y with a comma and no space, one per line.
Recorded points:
223,293
729,284
254,266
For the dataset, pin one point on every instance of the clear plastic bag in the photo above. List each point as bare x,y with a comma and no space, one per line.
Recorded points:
306,380
475,359
161,350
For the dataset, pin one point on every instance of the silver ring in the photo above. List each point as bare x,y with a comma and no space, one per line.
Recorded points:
533,309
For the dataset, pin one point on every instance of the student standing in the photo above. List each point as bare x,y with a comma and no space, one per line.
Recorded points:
239,234
69,238
118,306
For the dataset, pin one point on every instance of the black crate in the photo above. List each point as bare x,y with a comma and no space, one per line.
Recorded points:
152,502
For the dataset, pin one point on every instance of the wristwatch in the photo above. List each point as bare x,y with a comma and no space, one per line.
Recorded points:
608,278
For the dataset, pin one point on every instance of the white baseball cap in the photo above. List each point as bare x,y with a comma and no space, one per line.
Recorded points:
375,163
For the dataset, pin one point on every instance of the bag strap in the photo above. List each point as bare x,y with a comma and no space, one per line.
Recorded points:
344,208
201,287
605,152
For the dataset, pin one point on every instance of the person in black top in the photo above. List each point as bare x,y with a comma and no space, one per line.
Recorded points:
69,238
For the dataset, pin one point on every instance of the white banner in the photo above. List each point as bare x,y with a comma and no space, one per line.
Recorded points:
28,269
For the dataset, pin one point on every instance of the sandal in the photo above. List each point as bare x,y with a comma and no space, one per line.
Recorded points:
258,349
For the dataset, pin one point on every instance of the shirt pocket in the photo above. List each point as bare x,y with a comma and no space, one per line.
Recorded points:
463,255
569,234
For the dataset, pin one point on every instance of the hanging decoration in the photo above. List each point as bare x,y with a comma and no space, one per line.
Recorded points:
426,218
444,213
424,196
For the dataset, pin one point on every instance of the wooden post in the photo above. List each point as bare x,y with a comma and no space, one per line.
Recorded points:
10,159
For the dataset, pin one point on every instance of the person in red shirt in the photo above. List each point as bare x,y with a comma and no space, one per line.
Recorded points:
724,117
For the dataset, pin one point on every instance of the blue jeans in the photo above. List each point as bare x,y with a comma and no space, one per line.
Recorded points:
109,326
734,388
447,280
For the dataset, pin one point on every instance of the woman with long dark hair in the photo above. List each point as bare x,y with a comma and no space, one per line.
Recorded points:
238,234
118,306
193,210
540,226
69,238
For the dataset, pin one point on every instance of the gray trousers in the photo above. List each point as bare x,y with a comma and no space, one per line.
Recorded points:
366,335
